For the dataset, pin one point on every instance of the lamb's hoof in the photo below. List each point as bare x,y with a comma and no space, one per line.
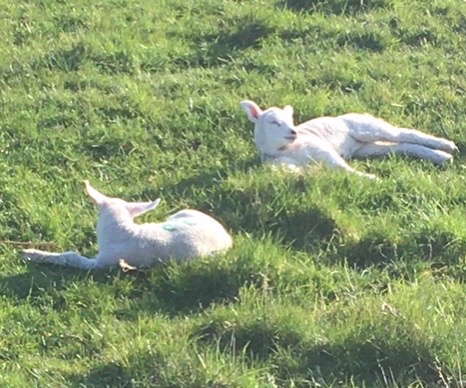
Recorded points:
371,177
32,255
287,168
450,147
125,267
367,176
444,159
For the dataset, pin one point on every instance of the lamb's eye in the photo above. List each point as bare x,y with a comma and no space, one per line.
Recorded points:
277,123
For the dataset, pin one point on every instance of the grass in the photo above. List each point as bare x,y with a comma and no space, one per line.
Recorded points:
333,280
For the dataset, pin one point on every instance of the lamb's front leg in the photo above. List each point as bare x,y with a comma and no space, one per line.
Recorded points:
414,150
287,163
70,259
331,158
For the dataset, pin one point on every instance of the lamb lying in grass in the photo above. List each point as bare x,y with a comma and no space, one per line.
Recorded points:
185,235
334,140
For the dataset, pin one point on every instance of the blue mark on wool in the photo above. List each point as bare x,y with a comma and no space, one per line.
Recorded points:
176,224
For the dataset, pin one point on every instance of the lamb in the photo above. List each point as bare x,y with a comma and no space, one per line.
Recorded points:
183,236
334,140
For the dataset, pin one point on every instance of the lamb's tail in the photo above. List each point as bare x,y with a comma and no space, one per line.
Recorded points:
70,259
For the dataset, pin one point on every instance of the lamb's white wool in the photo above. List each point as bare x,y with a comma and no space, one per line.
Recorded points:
334,140
184,235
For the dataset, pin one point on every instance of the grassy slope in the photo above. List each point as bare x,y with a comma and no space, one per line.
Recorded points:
333,280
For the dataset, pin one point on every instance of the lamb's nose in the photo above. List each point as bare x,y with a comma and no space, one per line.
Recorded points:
293,132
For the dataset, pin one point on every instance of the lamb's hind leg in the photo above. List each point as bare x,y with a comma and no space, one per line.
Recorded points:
70,259
380,130
414,150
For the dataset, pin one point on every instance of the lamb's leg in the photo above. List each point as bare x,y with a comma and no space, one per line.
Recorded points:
331,158
288,163
414,150
70,259
373,129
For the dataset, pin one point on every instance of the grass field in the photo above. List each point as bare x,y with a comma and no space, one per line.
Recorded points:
333,280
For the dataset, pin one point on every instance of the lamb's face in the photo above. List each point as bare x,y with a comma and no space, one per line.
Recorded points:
275,129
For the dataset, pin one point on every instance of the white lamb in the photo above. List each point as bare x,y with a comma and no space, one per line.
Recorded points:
185,235
334,140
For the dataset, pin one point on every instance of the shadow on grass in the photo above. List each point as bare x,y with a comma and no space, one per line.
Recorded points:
215,49
208,50
387,349
45,279
107,375
370,363
435,248
336,7
171,289
146,369
369,41
368,357
276,209
259,338
182,289
259,210
73,59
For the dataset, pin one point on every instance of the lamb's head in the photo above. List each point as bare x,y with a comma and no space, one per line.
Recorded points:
273,128
117,209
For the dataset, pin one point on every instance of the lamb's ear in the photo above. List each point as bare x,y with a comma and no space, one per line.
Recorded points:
252,109
97,196
289,110
137,208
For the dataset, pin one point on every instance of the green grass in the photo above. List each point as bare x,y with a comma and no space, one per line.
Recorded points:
333,280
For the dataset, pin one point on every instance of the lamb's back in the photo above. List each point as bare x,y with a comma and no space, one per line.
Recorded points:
332,130
197,233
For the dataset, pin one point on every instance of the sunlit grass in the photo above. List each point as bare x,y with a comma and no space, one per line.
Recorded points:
333,280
